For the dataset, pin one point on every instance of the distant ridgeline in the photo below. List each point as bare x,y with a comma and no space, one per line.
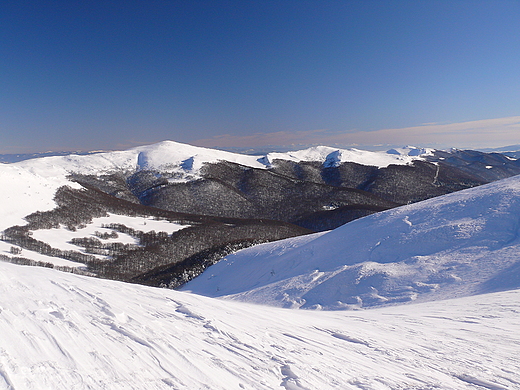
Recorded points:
13,158
223,201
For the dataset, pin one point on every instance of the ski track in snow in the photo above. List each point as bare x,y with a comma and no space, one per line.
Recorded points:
63,331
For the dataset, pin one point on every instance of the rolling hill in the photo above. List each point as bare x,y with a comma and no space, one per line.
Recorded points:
460,244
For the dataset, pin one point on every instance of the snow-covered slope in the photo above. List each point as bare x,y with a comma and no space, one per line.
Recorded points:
456,245
62,331
23,192
29,186
333,156
173,156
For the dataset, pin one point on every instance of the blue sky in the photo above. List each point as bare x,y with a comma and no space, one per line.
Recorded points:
88,75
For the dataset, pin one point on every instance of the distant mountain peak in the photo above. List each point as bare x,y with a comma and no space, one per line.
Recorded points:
411,151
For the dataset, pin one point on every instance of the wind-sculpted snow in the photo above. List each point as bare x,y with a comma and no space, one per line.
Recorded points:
62,331
456,245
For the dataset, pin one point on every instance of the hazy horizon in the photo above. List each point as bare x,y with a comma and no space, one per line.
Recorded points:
112,75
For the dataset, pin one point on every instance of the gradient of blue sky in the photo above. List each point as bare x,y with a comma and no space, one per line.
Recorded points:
84,75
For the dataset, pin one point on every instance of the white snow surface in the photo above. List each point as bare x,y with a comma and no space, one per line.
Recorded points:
333,157
61,237
24,191
5,250
412,151
63,331
29,186
460,244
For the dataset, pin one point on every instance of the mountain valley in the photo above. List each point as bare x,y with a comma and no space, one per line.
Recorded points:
226,201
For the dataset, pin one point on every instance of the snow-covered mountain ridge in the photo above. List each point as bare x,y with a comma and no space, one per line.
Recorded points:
172,155
224,200
455,245
28,186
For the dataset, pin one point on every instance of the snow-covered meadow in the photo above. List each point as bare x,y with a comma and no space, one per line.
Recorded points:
62,238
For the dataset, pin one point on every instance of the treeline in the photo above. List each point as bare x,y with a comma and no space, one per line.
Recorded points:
188,250
175,275
160,249
35,263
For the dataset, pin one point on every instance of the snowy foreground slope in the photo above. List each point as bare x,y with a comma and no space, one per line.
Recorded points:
63,331
456,245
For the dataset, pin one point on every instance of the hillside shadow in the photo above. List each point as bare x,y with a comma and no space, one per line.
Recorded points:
507,279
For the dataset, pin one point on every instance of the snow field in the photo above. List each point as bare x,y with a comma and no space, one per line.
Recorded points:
5,250
24,192
63,331
333,157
